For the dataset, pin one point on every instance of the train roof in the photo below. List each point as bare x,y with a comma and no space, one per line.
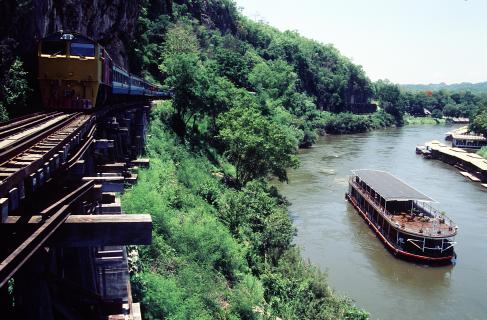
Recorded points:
390,187
68,36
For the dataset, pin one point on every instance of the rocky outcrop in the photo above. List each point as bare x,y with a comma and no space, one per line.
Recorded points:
219,14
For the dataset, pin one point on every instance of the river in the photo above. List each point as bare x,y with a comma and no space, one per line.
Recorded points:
333,237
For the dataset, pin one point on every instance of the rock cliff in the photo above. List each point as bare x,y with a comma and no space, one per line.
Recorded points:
111,22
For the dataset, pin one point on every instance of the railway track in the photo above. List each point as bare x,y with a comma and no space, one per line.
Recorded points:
54,195
12,129
32,150
30,155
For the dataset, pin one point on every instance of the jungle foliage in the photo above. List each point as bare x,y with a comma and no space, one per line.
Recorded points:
209,54
245,97
222,239
15,91
218,252
398,102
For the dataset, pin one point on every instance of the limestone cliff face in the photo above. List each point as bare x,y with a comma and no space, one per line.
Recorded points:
110,22
214,14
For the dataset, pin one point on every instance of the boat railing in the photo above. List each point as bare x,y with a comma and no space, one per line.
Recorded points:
434,213
437,217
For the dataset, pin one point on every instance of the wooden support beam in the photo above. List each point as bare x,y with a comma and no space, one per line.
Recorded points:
91,230
112,167
141,163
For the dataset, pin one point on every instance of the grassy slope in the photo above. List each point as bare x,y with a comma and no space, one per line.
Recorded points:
195,268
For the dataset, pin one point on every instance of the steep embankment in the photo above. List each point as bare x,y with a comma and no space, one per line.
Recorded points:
245,94
218,252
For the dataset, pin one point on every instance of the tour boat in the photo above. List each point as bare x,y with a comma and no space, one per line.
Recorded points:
402,217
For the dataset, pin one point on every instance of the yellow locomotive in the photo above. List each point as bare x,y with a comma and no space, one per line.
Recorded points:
77,73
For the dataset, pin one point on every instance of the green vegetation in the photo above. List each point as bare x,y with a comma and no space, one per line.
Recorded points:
464,86
479,122
225,59
440,103
410,120
14,94
220,250
245,97
346,122
483,152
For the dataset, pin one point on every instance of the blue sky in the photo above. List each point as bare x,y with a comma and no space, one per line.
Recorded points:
405,41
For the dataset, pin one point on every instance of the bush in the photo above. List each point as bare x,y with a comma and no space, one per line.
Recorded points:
437,114
16,90
3,113
483,152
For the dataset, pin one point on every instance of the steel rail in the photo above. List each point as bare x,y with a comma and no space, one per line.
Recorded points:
19,120
32,167
90,137
29,141
7,132
54,216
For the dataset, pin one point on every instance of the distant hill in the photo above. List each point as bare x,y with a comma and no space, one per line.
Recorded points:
464,86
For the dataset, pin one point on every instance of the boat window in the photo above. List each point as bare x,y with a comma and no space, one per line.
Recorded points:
82,49
54,48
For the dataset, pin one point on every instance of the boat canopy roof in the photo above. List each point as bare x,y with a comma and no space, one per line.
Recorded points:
390,187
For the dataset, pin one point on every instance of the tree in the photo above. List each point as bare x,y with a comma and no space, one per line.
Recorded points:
436,113
185,75
479,124
180,39
390,99
186,78
255,216
274,78
16,90
255,145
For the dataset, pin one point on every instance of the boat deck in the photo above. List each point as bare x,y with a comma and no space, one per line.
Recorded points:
426,223
422,225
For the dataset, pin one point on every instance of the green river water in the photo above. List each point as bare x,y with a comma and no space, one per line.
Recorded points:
336,239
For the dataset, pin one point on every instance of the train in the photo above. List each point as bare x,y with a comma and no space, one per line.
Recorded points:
77,73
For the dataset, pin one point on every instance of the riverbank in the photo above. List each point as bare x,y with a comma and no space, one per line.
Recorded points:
348,123
219,252
411,120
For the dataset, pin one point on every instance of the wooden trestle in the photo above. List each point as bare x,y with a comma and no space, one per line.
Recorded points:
70,260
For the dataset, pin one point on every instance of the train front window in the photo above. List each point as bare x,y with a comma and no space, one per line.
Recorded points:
54,48
82,49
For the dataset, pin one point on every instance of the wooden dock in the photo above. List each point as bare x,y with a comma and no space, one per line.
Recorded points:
471,165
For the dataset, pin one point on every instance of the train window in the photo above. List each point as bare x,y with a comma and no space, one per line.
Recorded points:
54,47
83,49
